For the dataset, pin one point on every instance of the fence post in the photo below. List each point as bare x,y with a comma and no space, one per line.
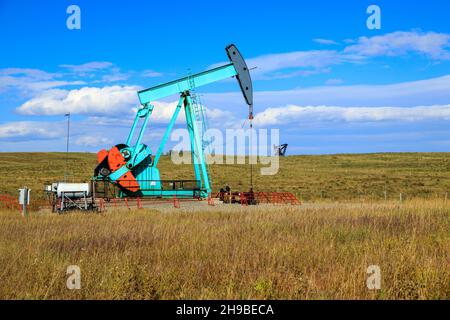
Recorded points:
210,200
401,197
176,203
385,195
243,200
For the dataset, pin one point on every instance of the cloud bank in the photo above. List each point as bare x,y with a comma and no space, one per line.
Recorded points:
30,130
293,114
86,101
435,91
431,45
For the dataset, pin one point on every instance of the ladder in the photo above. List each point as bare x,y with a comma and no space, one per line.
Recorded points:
201,118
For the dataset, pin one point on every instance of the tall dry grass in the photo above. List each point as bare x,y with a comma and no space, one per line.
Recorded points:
314,252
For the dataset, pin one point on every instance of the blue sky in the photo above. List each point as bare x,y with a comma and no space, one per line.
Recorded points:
323,78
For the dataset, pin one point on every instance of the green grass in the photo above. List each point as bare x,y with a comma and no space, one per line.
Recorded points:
334,177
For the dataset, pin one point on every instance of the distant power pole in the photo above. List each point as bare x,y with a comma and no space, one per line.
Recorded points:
67,146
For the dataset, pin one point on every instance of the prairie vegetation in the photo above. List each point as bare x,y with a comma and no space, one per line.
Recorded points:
311,178
320,250
312,252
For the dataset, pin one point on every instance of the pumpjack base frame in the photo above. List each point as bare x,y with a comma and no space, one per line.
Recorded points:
182,189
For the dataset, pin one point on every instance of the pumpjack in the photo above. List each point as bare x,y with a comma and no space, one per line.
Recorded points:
281,150
134,168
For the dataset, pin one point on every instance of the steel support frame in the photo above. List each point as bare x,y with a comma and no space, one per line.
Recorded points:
197,154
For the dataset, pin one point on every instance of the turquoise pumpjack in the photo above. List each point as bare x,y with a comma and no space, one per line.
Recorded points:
135,169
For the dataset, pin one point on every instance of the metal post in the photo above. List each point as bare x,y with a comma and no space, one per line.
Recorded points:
24,199
251,152
25,202
67,146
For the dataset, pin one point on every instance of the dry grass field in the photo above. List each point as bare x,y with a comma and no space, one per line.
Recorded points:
315,252
319,250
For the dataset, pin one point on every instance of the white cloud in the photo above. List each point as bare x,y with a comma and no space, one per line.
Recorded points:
109,106
27,72
115,75
334,81
273,62
268,65
106,71
304,63
349,41
112,120
292,64
93,141
102,70
34,81
431,44
33,86
163,112
52,135
31,80
151,74
30,130
325,41
298,114
113,100
406,94
88,67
